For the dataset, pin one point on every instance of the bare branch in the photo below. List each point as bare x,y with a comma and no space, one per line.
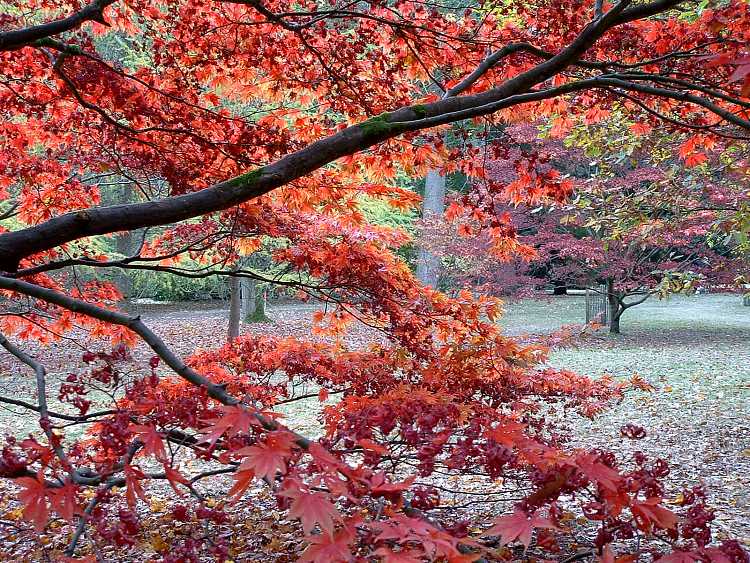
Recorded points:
215,391
41,388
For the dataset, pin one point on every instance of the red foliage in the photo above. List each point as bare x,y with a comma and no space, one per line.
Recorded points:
176,101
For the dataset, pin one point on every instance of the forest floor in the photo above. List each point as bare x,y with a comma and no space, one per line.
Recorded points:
694,350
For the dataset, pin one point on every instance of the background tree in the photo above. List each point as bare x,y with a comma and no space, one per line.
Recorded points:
640,222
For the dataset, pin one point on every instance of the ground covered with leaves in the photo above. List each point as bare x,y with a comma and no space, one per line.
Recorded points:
694,352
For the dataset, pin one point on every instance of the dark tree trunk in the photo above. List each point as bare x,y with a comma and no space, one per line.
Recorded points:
559,288
433,205
615,308
614,324
235,304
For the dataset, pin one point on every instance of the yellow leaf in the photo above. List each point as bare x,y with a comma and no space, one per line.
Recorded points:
158,543
679,500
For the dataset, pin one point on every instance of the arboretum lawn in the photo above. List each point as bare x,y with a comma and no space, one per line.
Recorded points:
694,350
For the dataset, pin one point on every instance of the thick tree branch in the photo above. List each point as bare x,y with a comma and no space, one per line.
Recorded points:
17,38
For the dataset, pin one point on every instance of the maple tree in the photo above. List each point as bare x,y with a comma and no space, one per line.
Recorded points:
639,223
234,122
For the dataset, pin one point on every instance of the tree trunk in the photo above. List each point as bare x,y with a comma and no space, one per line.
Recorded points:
614,324
235,304
433,205
559,288
615,308
253,302
125,243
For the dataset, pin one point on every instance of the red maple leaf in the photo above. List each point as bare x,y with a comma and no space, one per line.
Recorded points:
329,548
381,487
153,444
518,526
680,557
389,556
242,480
235,420
508,434
174,477
63,500
597,472
312,509
268,458
134,490
650,512
323,457
34,498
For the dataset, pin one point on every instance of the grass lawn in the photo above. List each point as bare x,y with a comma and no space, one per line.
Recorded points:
696,352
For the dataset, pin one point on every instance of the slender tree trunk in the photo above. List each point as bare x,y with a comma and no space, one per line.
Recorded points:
253,302
248,297
433,205
615,308
125,243
235,304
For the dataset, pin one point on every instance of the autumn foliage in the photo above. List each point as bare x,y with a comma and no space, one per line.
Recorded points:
231,124
641,221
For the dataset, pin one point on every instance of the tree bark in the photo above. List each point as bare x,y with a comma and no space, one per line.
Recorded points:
125,243
235,304
433,205
253,302
615,308
614,323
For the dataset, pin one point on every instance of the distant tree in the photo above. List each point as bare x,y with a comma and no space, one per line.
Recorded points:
640,223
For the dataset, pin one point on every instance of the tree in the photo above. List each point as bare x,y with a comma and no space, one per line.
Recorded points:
269,119
648,223
640,223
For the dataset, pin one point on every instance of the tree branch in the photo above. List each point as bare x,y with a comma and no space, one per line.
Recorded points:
215,391
17,245
15,39
41,389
